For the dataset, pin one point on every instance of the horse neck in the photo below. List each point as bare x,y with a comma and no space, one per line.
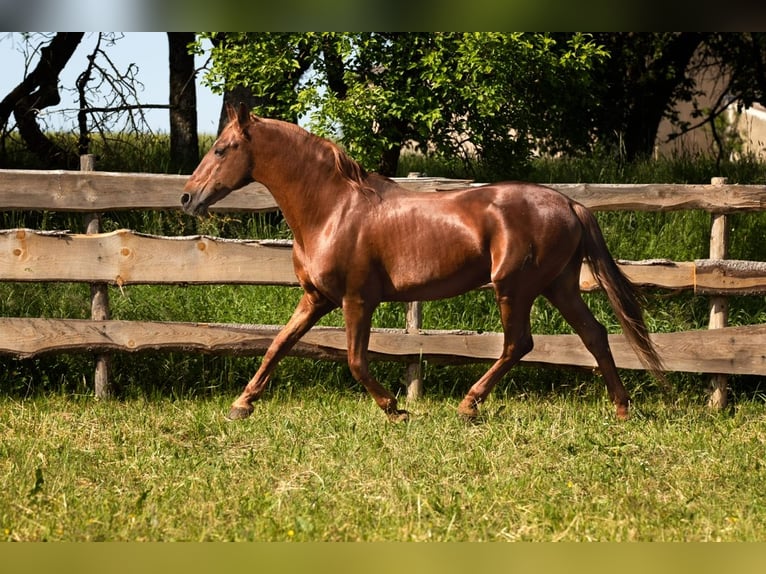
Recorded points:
300,173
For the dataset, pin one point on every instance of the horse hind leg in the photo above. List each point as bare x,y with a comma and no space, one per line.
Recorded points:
517,342
565,295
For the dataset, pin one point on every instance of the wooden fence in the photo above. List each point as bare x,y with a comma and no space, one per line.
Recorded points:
126,257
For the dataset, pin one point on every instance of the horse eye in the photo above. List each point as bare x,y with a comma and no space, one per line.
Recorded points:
219,151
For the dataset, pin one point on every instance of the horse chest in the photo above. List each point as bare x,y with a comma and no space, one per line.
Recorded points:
330,271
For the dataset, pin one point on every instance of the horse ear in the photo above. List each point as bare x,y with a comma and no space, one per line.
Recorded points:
243,115
231,113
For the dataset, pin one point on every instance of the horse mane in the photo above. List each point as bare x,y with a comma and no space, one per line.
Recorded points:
345,166
351,170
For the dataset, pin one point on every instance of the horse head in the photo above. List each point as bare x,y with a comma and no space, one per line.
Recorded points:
227,166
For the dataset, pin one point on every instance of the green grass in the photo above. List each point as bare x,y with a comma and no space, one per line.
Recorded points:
316,464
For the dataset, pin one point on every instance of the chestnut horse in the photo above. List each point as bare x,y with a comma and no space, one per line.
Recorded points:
361,239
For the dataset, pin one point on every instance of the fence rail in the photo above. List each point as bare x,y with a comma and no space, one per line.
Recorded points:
126,257
731,350
94,191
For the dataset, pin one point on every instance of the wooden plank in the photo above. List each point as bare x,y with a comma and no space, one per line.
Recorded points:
731,350
123,257
429,184
703,276
104,191
59,190
729,277
666,197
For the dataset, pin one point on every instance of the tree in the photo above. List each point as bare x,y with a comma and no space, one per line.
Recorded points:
184,144
37,91
260,69
744,56
108,99
381,97
449,93
494,95
645,75
525,93
739,60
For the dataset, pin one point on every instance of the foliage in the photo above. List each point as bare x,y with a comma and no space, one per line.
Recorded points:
270,64
743,57
645,77
521,92
498,95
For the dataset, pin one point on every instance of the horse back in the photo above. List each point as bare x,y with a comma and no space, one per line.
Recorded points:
440,244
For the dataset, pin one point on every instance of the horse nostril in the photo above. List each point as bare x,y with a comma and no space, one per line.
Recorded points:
185,199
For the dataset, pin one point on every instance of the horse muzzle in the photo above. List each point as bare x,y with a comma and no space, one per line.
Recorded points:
192,206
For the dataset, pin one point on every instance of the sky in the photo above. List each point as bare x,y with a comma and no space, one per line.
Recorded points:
147,50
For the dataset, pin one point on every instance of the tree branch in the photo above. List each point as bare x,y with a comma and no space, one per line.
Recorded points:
39,90
125,108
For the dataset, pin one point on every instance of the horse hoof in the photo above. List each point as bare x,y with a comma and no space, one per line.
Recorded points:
398,416
468,413
239,413
622,413
470,418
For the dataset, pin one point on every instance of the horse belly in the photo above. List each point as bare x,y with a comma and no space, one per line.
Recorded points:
424,279
432,291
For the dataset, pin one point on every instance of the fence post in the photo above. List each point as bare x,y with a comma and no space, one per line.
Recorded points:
719,306
414,377
99,298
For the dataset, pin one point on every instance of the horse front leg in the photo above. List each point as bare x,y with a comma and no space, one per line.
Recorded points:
358,318
312,307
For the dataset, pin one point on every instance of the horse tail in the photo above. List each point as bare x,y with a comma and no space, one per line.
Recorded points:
620,292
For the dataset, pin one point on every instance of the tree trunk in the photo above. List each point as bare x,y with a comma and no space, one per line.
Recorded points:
184,143
643,78
652,98
389,162
235,96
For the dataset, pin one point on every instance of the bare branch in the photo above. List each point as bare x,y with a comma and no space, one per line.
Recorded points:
125,108
37,91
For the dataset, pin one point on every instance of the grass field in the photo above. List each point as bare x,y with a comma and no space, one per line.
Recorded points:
322,464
